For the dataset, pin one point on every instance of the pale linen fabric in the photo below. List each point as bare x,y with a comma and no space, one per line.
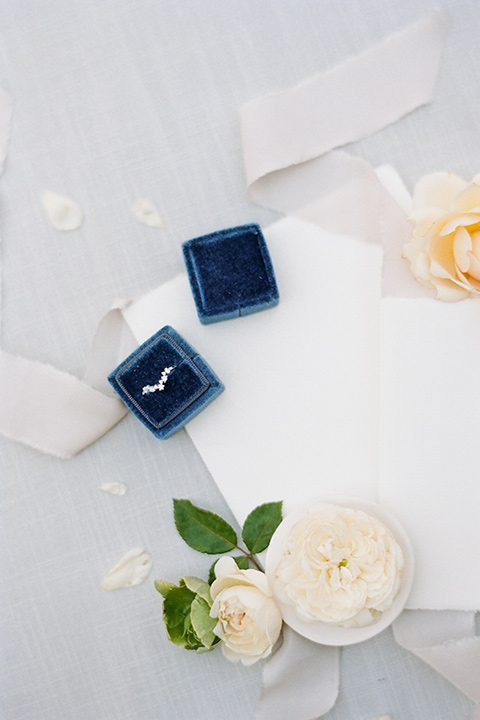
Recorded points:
116,101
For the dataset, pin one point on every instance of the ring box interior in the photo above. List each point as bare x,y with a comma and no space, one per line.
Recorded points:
165,382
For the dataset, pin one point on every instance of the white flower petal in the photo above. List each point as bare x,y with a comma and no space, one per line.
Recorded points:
132,569
63,213
437,190
230,655
147,214
114,488
225,566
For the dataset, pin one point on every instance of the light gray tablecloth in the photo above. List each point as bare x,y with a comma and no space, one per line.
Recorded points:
117,100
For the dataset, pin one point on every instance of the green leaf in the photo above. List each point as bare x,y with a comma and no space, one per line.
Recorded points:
203,530
211,573
202,623
242,562
260,526
163,587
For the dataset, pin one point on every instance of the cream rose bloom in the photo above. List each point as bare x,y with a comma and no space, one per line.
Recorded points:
339,566
249,621
444,251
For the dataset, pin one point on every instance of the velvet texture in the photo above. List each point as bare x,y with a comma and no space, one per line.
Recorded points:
230,273
165,382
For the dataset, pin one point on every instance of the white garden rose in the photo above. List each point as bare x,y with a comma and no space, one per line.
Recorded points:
249,621
339,566
444,251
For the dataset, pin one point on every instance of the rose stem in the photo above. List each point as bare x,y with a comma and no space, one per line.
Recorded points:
250,557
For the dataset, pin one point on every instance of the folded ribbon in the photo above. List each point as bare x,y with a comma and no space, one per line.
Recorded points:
290,138
300,680
65,414
445,640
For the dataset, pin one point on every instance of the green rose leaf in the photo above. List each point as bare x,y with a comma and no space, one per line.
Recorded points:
260,526
203,530
242,562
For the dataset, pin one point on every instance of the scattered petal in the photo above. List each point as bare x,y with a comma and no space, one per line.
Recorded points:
132,569
114,488
147,213
63,213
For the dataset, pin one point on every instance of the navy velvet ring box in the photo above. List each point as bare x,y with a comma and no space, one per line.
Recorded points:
165,382
230,273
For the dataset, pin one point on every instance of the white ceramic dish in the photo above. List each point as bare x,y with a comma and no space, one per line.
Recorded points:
327,633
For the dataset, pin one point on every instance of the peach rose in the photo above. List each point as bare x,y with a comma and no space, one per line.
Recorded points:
444,251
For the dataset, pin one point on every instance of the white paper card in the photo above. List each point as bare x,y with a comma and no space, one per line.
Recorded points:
429,443
299,415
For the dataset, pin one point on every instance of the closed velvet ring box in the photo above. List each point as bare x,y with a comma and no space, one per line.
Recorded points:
230,273
165,382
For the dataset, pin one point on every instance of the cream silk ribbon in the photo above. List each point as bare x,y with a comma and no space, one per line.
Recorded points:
290,141
64,414
292,166
300,681
445,640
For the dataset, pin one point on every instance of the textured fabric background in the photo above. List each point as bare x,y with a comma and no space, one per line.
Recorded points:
117,100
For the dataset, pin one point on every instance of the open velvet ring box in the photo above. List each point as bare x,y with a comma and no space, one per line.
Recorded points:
165,382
